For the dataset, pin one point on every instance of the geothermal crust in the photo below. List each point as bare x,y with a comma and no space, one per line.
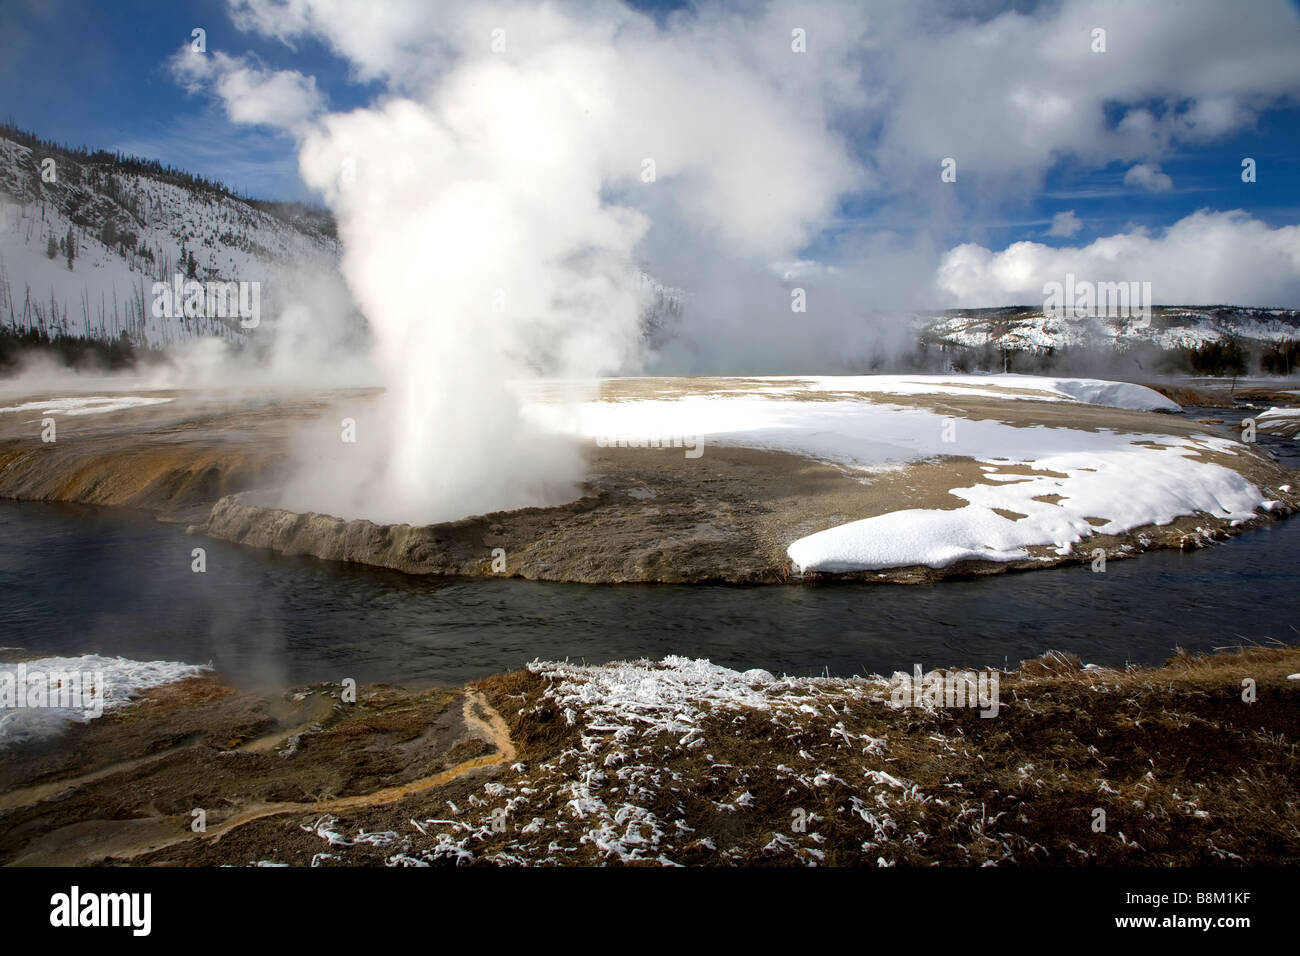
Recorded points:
643,515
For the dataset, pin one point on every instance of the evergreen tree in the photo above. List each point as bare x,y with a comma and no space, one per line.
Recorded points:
51,247
71,248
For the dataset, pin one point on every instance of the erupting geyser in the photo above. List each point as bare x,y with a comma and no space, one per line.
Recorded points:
492,223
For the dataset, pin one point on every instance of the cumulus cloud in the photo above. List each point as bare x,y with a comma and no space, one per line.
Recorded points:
1008,95
250,95
1065,224
1205,258
1149,177
403,43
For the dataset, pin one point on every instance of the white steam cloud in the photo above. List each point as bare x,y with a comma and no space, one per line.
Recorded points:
524,160
491,226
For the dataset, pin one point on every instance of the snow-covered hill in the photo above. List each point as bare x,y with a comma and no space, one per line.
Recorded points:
1169,328
131,226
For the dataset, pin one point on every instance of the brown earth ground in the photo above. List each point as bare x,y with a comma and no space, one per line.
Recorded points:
1225,395
199,744
1185,770
644,515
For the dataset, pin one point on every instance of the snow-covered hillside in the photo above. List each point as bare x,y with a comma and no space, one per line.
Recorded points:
129,229
133,223
1168,328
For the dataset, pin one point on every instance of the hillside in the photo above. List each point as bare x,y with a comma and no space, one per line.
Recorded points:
132,223
1207,339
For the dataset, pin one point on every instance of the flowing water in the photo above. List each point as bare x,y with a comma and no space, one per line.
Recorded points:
76,580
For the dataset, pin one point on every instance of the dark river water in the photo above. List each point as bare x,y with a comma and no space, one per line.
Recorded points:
77,580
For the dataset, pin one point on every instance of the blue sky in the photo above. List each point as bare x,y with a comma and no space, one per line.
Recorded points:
94,73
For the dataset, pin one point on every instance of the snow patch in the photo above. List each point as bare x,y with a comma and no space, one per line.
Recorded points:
123,681
88,405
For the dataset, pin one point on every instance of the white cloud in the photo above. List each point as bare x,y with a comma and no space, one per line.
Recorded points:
1149,177
285,98
1010,95
1205,258
405,43
1065,224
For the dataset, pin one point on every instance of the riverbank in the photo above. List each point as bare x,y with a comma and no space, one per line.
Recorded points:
683,762
796,480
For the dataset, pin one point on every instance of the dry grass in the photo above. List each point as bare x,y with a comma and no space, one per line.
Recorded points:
1185,770
683,763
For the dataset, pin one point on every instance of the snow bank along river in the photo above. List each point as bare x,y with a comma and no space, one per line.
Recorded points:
1042,486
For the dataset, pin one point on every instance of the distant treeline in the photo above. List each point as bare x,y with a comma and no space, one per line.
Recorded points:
1225,358
124,161
17,345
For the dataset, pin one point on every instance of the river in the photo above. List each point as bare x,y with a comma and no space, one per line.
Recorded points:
79,580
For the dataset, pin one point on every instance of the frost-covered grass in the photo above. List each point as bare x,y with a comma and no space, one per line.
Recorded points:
681,762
